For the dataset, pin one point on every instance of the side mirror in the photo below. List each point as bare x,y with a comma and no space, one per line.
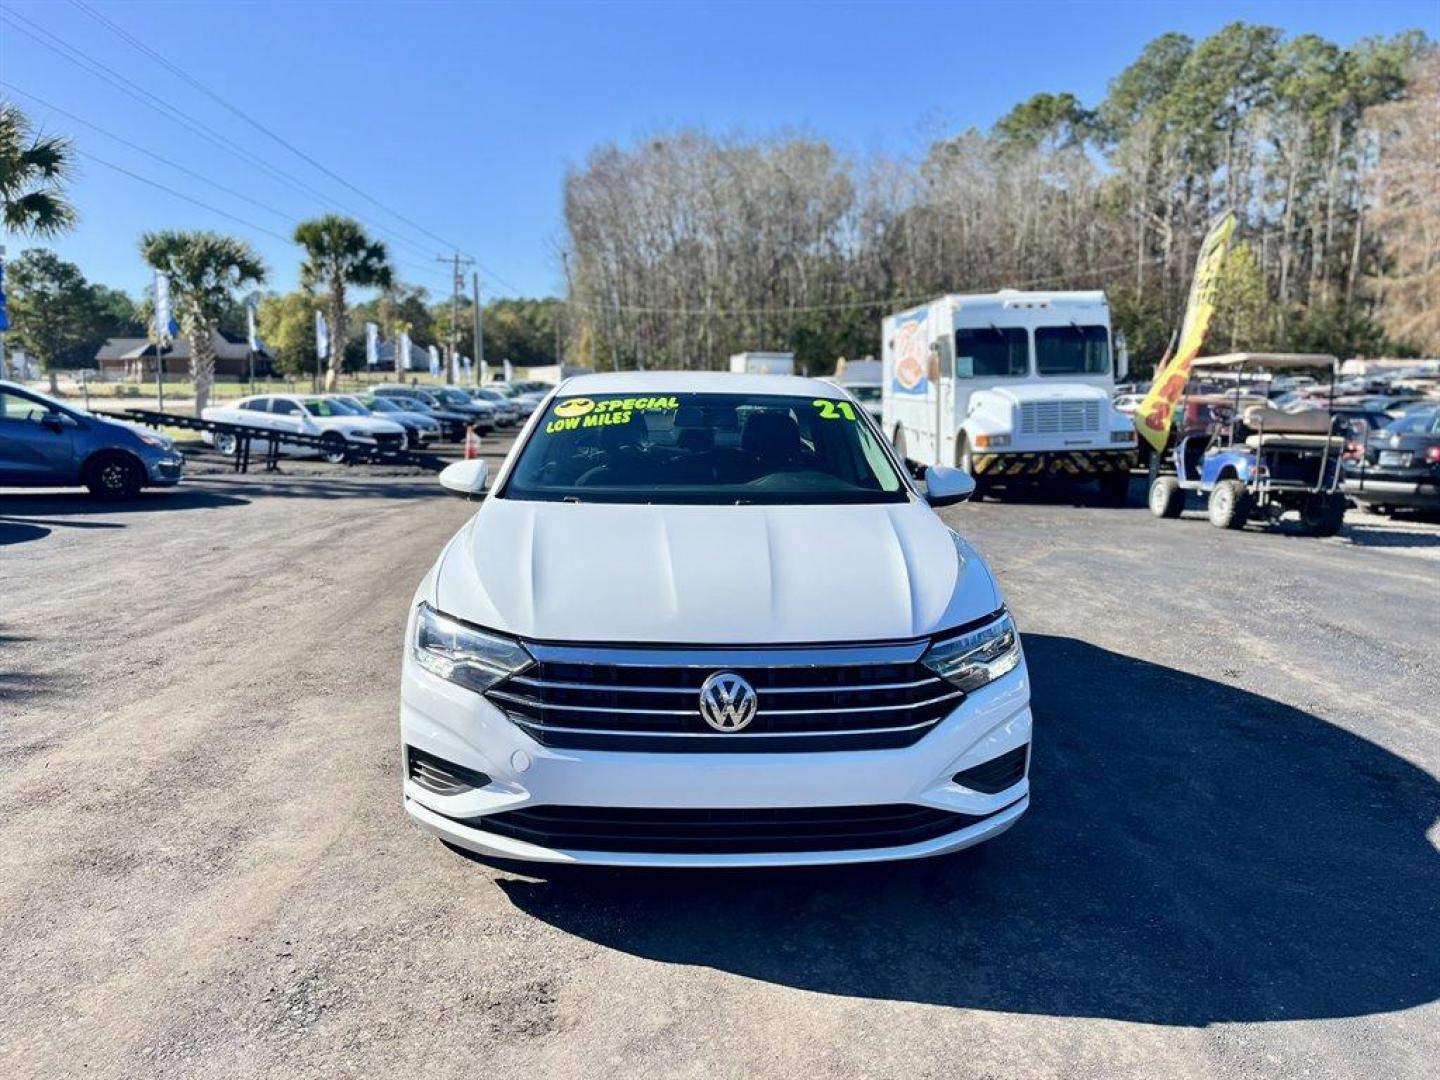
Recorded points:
465,478
1122,358
57,421
945,486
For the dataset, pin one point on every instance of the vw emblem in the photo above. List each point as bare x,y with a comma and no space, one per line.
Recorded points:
728,702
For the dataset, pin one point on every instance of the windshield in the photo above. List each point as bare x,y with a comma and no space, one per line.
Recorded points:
991,352
1072,350
379,404
708,449
451,397
866,394
331,407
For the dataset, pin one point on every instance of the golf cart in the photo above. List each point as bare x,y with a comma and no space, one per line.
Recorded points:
1256,461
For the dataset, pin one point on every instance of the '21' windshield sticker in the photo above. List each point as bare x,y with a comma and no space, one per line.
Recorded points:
574,413
834,410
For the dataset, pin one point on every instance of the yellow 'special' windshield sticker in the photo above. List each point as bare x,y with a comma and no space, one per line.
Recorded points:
574,414
834,410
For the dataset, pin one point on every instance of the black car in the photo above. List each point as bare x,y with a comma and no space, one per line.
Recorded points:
1400,465
454,421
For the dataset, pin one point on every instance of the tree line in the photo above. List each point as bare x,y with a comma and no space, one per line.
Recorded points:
686,247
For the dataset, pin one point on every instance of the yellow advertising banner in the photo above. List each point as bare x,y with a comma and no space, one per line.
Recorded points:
1157,411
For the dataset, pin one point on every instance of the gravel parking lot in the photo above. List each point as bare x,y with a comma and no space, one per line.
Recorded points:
1230,868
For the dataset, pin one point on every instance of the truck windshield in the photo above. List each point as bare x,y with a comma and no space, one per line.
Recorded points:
706,449
1072,350
992,352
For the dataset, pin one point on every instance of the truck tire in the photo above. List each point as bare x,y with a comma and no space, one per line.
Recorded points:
965,461
1324,515
1167,498
1229,505
226,443
1114,488
114,475
334,448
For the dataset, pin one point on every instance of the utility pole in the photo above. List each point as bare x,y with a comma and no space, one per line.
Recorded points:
458,281
479,367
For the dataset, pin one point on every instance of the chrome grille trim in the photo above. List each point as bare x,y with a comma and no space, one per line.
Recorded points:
646,698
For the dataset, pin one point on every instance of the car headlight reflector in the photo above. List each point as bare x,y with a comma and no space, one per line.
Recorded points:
155,439
461,654
973,659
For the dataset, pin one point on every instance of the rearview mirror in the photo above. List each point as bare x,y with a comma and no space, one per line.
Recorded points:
465,478
945,486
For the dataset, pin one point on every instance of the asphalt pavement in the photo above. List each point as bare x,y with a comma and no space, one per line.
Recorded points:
1230,867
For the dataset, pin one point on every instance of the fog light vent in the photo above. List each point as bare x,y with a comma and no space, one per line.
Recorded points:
997,774
441,776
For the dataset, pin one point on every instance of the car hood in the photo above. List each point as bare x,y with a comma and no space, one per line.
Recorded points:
711,575
1051,392
362,423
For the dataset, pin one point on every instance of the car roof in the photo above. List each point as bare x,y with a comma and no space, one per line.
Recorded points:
698,382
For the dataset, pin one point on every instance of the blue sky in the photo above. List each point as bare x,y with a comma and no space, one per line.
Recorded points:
464,117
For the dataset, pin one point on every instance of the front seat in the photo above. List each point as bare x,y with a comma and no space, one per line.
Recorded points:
773,437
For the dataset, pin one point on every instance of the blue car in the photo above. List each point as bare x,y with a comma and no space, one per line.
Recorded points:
46,443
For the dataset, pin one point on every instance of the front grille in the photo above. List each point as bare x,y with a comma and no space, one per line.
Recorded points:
723,832
1059,417
997,774
389,441
647,699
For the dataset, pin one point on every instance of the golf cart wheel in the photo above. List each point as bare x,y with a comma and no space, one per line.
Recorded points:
226,443
333,448
1323,516
1167,497
114,476
1114,488
1229,505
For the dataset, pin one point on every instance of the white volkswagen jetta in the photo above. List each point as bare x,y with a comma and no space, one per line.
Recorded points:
710,620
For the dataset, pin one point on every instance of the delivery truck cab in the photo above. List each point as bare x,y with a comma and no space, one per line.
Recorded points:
1014,387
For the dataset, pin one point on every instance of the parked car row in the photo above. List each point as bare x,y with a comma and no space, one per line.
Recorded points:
389,419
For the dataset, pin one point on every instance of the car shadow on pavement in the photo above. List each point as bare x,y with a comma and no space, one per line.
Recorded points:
1195,854
29,516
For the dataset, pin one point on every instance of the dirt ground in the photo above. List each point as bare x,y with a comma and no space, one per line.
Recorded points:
1230,868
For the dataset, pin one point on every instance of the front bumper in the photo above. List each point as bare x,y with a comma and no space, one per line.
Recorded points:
1039,464
165,470
451,723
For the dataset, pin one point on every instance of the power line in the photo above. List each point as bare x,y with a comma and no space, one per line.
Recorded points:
181,73
152,101
153,156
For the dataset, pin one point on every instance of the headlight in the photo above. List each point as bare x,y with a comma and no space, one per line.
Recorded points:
155,439
464,655
979,657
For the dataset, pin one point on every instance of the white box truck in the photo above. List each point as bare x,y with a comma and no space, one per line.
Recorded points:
763,363
1013,387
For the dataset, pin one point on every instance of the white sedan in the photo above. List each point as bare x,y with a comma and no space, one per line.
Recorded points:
342,428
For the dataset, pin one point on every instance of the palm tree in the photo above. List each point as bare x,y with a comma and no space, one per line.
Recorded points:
33,170
205,271
339,253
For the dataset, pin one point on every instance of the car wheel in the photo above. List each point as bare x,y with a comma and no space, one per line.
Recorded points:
1167,497
114,476
226,443
1323,516
965,462
1229,505
334,448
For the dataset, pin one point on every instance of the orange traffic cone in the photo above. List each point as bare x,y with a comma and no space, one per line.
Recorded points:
472,444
